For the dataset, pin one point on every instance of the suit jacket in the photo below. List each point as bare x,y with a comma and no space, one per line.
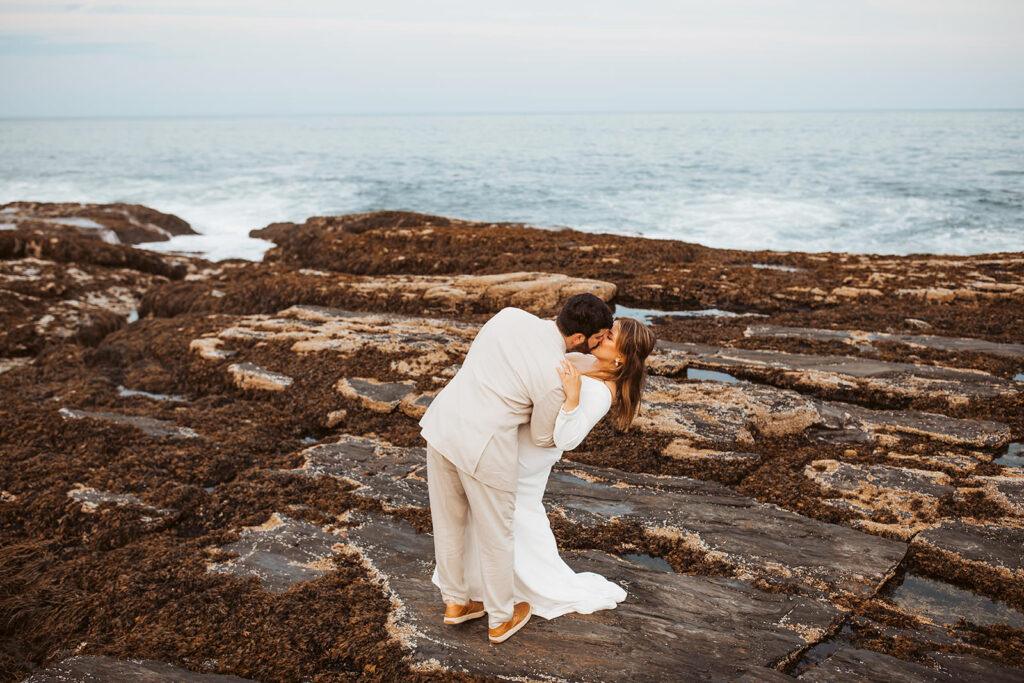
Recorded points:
509,375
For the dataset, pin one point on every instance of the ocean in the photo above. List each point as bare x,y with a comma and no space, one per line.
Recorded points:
898,182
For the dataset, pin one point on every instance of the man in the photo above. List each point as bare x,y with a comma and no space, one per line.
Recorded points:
509,378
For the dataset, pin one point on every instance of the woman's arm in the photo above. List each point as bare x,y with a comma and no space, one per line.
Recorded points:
577,417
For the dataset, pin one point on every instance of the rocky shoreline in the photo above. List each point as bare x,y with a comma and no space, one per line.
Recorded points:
212,471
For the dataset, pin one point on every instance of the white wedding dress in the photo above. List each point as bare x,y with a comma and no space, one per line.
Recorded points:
541,577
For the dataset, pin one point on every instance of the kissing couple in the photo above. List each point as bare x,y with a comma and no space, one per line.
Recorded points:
528,390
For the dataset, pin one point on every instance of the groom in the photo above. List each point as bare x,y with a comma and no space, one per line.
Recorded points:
509,378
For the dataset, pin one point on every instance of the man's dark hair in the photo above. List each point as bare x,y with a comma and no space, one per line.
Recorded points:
584,314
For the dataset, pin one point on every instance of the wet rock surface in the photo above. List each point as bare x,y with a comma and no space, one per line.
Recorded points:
707,627
255,504
849,664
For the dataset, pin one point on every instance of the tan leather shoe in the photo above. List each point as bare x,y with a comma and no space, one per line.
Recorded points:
454,613
520,615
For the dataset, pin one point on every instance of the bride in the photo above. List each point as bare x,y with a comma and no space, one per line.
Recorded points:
611,378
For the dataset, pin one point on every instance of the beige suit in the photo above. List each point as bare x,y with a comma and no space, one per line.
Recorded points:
509,378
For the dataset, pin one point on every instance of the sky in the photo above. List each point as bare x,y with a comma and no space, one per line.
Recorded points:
292,57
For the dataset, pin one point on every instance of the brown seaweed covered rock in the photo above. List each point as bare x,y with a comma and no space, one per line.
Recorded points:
232,486
71,288
114,223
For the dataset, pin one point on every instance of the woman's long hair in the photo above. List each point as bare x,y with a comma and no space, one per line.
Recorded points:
635,341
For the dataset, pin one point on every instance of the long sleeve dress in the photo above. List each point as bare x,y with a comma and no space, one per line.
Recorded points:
542,578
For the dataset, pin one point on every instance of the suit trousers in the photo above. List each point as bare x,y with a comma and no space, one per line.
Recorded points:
453,493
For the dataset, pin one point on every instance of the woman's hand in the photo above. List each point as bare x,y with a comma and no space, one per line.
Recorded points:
571,383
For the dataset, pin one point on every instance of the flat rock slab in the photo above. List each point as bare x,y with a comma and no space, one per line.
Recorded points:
89,668
905,497
253,288
250,376
148,425
996,547
423,346
211,348
730,414
837,373
852,478
859,338
670,627
380,397
280,553
536,292
762,540
854,421
726,414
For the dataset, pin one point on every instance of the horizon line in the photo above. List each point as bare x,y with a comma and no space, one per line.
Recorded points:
608,112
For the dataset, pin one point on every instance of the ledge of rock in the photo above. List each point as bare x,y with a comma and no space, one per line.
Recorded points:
882,492
860,338
246,288
996,547
888,426
396,477
830,375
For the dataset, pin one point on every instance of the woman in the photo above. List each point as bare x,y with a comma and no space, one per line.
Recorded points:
611,378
